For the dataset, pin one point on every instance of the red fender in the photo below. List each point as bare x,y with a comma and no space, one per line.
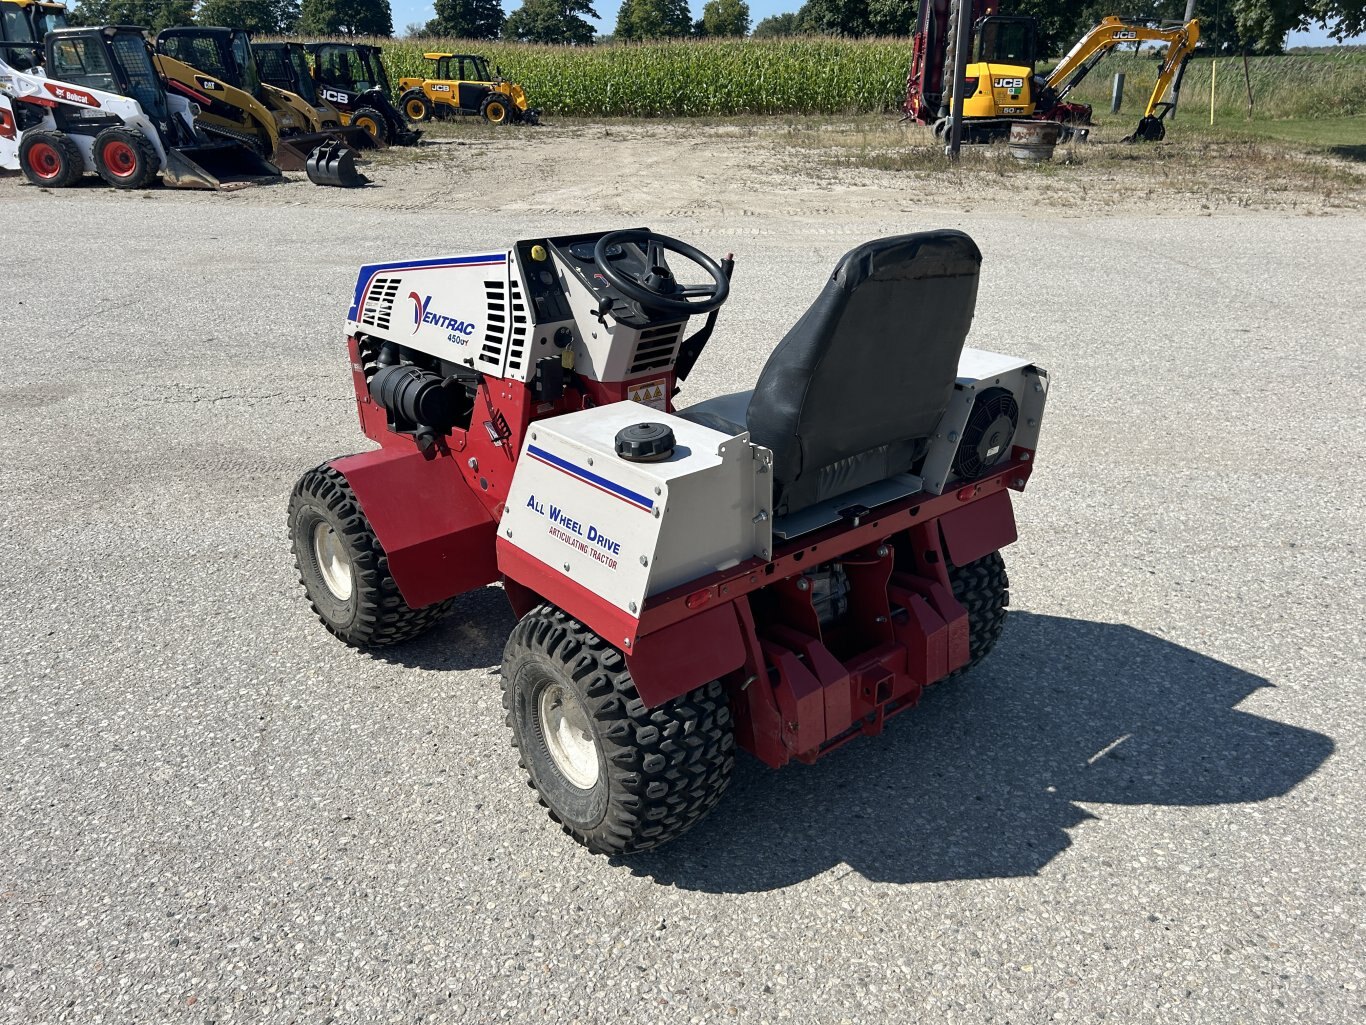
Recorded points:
439,538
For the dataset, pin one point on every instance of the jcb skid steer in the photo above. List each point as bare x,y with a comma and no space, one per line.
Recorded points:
781,569
285,66
351,76
219,65
99,105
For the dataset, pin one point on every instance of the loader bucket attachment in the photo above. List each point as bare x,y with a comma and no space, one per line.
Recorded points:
292,154
335,164
223,166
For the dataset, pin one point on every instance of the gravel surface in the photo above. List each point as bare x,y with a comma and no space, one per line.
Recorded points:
1145,806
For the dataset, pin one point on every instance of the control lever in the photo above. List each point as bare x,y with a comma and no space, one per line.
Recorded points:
691,348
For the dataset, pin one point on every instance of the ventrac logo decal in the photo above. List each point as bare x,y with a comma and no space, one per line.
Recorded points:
1008,83
459,330
70,95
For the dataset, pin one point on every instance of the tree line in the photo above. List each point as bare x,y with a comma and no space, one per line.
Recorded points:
1233,26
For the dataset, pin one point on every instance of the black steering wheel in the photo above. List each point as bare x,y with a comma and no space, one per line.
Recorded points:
655,287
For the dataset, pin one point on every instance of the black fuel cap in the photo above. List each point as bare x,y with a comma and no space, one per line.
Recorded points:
645,443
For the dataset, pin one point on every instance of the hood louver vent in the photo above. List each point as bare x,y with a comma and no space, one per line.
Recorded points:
379,303
655,349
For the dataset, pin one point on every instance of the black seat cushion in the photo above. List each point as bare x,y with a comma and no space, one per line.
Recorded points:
853,392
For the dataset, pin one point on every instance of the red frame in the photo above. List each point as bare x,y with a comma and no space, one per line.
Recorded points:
798,689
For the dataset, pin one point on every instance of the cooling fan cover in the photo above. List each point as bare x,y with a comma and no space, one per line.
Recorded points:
987,434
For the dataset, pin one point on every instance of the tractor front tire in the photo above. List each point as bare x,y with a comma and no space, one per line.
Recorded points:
51,159
983,588
618,777
344,569
416,107
373,122
125,159
496,109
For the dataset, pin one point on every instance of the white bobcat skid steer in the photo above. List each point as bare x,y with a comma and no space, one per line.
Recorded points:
100,106
781,570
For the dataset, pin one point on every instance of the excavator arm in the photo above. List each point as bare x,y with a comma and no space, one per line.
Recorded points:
1113,32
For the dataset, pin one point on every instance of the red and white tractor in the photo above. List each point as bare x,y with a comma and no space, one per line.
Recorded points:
783,569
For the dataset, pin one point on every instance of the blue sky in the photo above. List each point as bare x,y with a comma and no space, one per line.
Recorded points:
408,12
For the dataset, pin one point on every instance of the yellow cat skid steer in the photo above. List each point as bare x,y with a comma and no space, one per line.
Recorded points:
284,65
24,23
218,64
461,85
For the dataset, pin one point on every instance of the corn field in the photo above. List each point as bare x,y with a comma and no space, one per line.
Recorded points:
690,79
818,75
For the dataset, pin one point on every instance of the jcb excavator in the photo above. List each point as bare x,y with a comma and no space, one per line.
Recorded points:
1000,83
216,67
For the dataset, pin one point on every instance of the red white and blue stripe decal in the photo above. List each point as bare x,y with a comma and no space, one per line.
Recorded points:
590,478
369,272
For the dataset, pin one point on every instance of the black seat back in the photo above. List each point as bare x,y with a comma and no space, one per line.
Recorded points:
853,392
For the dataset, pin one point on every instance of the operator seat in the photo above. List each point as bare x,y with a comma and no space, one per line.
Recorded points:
853,392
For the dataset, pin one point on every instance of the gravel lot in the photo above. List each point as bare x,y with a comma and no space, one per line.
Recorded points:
1146,806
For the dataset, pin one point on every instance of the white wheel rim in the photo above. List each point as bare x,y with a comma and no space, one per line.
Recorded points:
569,736
333,561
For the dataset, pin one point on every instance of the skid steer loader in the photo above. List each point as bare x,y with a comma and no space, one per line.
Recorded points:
782,569
99,105
351,76
461,85
23,26
285,66
219,64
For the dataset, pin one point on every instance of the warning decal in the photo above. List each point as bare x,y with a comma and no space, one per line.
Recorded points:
650,393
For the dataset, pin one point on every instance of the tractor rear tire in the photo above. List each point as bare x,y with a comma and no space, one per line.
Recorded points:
497,109
51,159
344,569
983,588
416,107
617,776
373,122
125,159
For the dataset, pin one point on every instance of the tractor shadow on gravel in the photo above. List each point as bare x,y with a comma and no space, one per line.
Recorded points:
980,781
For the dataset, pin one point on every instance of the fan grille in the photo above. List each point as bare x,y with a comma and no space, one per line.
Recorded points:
987,434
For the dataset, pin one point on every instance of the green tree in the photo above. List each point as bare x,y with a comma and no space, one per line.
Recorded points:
154,14
551,21
725,17
834,17
653,19
891,17
346,18
266,16
467,19
777,25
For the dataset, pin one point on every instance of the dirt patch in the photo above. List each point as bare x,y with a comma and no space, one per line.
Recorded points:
811,168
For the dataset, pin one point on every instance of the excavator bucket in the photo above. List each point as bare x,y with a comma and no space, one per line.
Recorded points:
335,164
293,151
217,165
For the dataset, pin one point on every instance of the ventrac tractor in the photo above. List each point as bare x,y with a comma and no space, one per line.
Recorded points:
780,569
